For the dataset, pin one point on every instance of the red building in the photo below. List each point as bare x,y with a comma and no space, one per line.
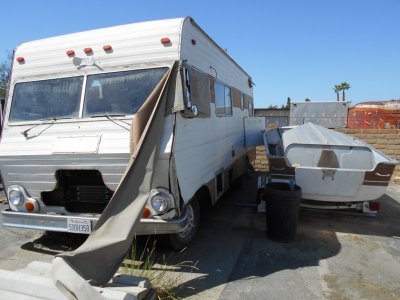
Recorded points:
374,115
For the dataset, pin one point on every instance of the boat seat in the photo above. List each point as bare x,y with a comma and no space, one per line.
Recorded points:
275,149
358,160
328,159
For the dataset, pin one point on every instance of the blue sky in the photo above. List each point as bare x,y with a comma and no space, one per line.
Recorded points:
298,49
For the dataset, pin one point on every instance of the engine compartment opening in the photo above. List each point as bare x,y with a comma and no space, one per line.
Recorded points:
81,191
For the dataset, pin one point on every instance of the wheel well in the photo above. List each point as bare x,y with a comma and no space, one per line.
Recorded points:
203,196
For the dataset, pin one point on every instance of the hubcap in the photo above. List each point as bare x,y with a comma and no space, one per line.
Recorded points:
190,224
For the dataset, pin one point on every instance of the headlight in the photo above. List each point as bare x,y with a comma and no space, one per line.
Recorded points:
160,201
15,196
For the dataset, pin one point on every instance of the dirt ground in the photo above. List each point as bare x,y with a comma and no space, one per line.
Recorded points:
335,255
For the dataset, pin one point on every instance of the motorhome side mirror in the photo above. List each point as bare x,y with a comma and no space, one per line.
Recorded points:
195,111
191,112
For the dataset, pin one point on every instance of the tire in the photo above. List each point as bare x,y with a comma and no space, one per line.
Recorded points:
181,240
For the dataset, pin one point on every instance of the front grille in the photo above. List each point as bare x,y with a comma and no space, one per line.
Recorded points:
80,191
92,194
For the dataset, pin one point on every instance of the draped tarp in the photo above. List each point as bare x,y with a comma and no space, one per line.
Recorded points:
103,252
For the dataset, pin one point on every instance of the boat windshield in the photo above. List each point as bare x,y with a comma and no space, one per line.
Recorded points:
45,99
120,93
107,94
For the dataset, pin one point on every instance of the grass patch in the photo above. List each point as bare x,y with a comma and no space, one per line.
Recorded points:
163,276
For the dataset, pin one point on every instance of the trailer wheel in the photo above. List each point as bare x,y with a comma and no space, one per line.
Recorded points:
180,240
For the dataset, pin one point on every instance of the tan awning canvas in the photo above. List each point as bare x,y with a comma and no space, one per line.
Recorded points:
103,252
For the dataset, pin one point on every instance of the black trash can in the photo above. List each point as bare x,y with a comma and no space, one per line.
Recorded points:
282,207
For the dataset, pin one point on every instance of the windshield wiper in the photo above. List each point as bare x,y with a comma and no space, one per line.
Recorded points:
111,117
50,121
107,115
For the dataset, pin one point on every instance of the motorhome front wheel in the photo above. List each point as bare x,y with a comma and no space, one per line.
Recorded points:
178,241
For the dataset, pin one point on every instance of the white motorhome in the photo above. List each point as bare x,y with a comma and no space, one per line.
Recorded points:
67,129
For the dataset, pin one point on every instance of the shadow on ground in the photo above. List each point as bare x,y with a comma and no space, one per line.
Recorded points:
53,243
232,243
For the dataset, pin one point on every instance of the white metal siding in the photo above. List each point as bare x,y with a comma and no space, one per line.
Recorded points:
41,139
205,54
203,147
132,44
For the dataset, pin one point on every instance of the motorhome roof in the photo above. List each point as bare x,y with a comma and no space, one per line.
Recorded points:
131,44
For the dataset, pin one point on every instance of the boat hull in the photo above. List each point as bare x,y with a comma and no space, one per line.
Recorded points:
335,168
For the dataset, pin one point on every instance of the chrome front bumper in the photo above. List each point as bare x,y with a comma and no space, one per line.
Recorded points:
55,222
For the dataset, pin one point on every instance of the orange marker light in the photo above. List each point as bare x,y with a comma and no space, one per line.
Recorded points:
88,50
107,48
146,213
165,41
29,206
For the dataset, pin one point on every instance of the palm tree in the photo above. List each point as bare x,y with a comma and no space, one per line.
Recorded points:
344,86
337,89
341,87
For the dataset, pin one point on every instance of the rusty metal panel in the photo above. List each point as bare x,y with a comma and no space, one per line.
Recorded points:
329,114
375,115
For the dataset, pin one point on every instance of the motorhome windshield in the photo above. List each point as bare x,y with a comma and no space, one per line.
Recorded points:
54,98
120,93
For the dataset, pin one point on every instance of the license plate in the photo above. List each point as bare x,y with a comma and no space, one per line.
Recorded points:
79,226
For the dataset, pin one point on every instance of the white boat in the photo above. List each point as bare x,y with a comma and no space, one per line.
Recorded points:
337,170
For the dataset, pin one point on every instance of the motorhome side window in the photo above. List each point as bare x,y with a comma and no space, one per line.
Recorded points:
54,98
121,93
223,100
